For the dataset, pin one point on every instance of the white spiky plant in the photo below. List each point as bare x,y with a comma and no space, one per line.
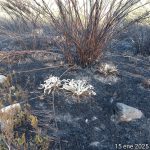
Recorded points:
108,69
50,84
78,87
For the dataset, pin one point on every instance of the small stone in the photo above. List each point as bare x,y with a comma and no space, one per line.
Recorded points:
86,121
126,113
11,108
2,79
95,144
94,118
97,129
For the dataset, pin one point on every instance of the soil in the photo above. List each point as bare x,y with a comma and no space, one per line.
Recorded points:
87,125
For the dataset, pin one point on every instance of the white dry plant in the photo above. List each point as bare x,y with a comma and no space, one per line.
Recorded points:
78,87
51,84
108,69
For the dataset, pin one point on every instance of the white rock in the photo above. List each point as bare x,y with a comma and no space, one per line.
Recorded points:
95,144
2,78
94,118
86,121
11,108
97,129
127,113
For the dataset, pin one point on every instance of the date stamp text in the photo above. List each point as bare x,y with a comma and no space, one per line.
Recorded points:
132,146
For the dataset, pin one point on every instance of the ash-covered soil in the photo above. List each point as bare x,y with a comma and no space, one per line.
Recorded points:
86,125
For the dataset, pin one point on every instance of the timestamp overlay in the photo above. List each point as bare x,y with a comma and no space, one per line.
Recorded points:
132,146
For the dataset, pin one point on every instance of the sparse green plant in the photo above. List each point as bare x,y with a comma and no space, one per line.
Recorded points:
14,138
33,120
18,126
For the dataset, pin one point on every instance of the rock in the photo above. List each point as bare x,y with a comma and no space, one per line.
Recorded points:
126,113
97,129
11,109
94,144
86,121
94,118
2,79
